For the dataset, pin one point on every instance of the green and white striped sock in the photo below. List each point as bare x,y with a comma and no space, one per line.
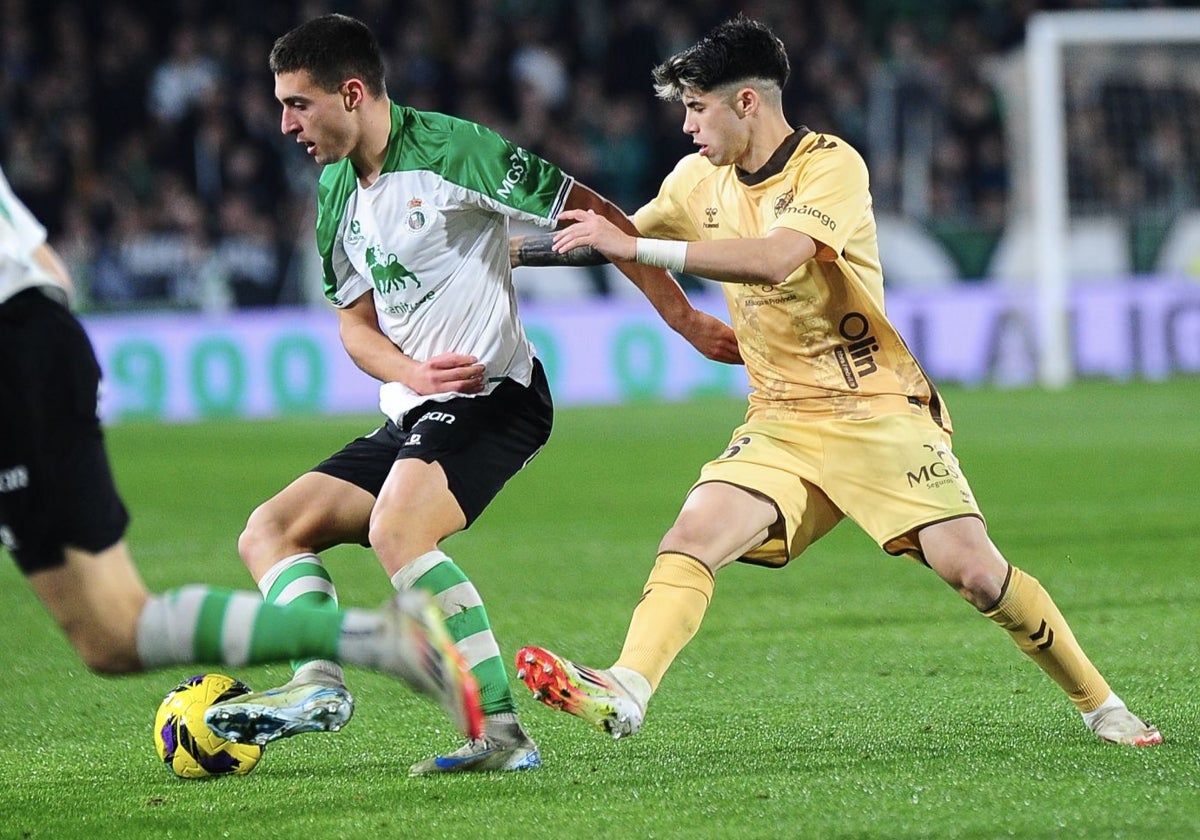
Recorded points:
467,622
303,580
200,624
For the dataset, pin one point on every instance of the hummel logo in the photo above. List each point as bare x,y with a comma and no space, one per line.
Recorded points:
711,213
822,143
1043,632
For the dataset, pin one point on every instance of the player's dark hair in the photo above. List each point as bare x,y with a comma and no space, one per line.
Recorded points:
737,50
331,49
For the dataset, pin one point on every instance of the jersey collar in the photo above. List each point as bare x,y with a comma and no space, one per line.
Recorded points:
391,159
777,161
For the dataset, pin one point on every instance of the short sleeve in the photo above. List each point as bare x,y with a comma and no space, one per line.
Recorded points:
829,197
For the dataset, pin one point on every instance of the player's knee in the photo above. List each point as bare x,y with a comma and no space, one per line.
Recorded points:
382,538
980,584
397,533
390,537
715,544
263,530
245,544
688,533
681,539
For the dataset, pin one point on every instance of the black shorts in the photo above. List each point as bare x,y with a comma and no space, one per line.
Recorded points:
56,488
480,442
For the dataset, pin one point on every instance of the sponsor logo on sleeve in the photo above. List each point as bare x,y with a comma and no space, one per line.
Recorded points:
783,204
518,165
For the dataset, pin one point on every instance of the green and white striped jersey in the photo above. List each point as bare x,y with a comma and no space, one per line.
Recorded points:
429,239
20,235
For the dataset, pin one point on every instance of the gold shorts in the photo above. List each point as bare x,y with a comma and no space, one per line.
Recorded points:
892,474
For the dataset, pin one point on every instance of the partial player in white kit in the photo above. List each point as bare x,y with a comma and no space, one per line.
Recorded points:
63,520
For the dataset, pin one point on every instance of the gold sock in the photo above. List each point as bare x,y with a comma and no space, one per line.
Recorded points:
1026,611
667,616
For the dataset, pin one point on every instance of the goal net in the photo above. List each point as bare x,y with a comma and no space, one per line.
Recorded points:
1110,158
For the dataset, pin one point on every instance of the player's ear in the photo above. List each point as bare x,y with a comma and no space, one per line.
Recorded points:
353,93
746,102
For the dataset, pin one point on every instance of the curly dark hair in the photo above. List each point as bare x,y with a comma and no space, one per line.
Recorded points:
734,51
331,49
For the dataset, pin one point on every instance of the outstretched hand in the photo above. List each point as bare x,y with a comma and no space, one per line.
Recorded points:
587,228
447,372
711,336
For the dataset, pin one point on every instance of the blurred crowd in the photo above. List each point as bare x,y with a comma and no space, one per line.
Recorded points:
146,135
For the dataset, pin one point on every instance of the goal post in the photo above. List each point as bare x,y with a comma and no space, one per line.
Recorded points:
1048,38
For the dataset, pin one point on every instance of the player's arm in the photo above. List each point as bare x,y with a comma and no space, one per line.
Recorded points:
30,234
537,249
711,336
769,259
659,287
378,356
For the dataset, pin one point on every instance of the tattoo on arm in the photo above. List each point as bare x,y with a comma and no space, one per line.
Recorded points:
536,250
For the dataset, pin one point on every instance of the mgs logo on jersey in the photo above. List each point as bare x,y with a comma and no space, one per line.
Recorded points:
518,165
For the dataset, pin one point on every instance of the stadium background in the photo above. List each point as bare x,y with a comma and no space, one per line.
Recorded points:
146,137
146,133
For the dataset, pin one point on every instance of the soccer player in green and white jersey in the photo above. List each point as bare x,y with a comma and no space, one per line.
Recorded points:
412,228
63,520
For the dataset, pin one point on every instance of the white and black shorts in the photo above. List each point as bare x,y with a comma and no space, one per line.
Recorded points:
56,487
480,442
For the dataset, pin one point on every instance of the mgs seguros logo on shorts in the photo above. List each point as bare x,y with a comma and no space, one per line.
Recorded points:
942,469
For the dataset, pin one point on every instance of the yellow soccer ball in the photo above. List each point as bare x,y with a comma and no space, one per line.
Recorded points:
186,744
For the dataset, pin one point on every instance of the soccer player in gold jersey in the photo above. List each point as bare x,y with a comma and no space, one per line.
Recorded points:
842,421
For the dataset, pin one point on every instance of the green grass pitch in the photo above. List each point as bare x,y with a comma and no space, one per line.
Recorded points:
850,695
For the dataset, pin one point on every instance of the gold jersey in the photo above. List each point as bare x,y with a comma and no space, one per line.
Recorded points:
818,344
